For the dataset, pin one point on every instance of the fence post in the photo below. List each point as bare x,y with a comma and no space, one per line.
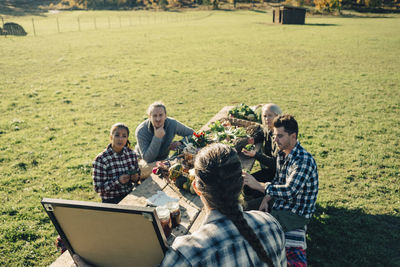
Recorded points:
119,17
58,26
109,23
95,25
33,25
79,24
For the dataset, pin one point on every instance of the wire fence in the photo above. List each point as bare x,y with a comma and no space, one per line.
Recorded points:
60,23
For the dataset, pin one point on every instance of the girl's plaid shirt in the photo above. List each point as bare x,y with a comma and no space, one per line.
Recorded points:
108,166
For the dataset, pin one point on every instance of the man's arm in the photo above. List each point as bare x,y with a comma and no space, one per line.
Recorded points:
183,130
268,161
149,145
299,173
251,182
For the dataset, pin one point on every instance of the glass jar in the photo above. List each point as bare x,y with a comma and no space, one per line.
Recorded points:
165,219
173,208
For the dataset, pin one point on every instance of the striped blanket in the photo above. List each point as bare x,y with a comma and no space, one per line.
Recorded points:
296,248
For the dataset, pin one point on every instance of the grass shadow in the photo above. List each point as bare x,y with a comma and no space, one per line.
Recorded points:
342,237
355,16
258,11
320,24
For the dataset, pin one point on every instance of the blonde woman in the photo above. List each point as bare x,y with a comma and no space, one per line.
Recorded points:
268,154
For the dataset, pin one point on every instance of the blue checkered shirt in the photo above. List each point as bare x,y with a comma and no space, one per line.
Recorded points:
295,186
219,243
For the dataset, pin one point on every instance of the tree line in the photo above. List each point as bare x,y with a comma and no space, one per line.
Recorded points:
322,5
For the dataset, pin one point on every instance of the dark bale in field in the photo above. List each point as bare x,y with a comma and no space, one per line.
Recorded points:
11,28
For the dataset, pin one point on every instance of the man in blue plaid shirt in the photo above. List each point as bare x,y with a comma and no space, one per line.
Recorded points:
293,191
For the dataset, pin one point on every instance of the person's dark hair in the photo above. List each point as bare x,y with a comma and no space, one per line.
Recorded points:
120,125
288,122
219,178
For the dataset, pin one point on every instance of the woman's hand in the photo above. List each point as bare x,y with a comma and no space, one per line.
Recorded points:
251,182
135,177
123,179
250,153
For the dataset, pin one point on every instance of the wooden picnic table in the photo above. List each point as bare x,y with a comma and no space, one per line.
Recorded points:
191,207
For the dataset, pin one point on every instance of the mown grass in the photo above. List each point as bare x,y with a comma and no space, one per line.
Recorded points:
60,93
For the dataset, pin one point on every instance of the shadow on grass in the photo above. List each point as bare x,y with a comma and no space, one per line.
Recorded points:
306,24
319,24
364,17
258,11
342,237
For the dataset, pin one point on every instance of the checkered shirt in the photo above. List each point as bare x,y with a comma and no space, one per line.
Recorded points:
219,243
295,186
108,166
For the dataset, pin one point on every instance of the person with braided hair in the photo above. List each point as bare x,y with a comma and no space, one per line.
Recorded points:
229,236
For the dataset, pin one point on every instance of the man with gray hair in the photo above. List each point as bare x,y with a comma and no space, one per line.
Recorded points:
154,137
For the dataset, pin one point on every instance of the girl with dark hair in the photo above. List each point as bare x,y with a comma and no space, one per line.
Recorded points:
229,236
116,167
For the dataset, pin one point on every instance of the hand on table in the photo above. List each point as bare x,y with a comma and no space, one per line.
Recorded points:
251,182
174,145
135,177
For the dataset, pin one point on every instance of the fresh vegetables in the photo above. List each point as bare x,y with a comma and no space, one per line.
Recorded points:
243,111
227,134
175,171
217,127
249,147
199,139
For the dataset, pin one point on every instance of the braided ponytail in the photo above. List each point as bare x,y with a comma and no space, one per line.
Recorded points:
220,172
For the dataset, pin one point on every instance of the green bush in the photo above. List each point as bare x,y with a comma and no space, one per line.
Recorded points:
328,5
163,4
370,3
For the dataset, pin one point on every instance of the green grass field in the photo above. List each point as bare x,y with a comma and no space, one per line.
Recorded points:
339,76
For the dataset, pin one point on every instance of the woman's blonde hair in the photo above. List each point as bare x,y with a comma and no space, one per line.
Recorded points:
273,108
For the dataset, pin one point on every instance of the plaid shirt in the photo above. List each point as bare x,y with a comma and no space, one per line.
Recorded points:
219,243
295,186
108,166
